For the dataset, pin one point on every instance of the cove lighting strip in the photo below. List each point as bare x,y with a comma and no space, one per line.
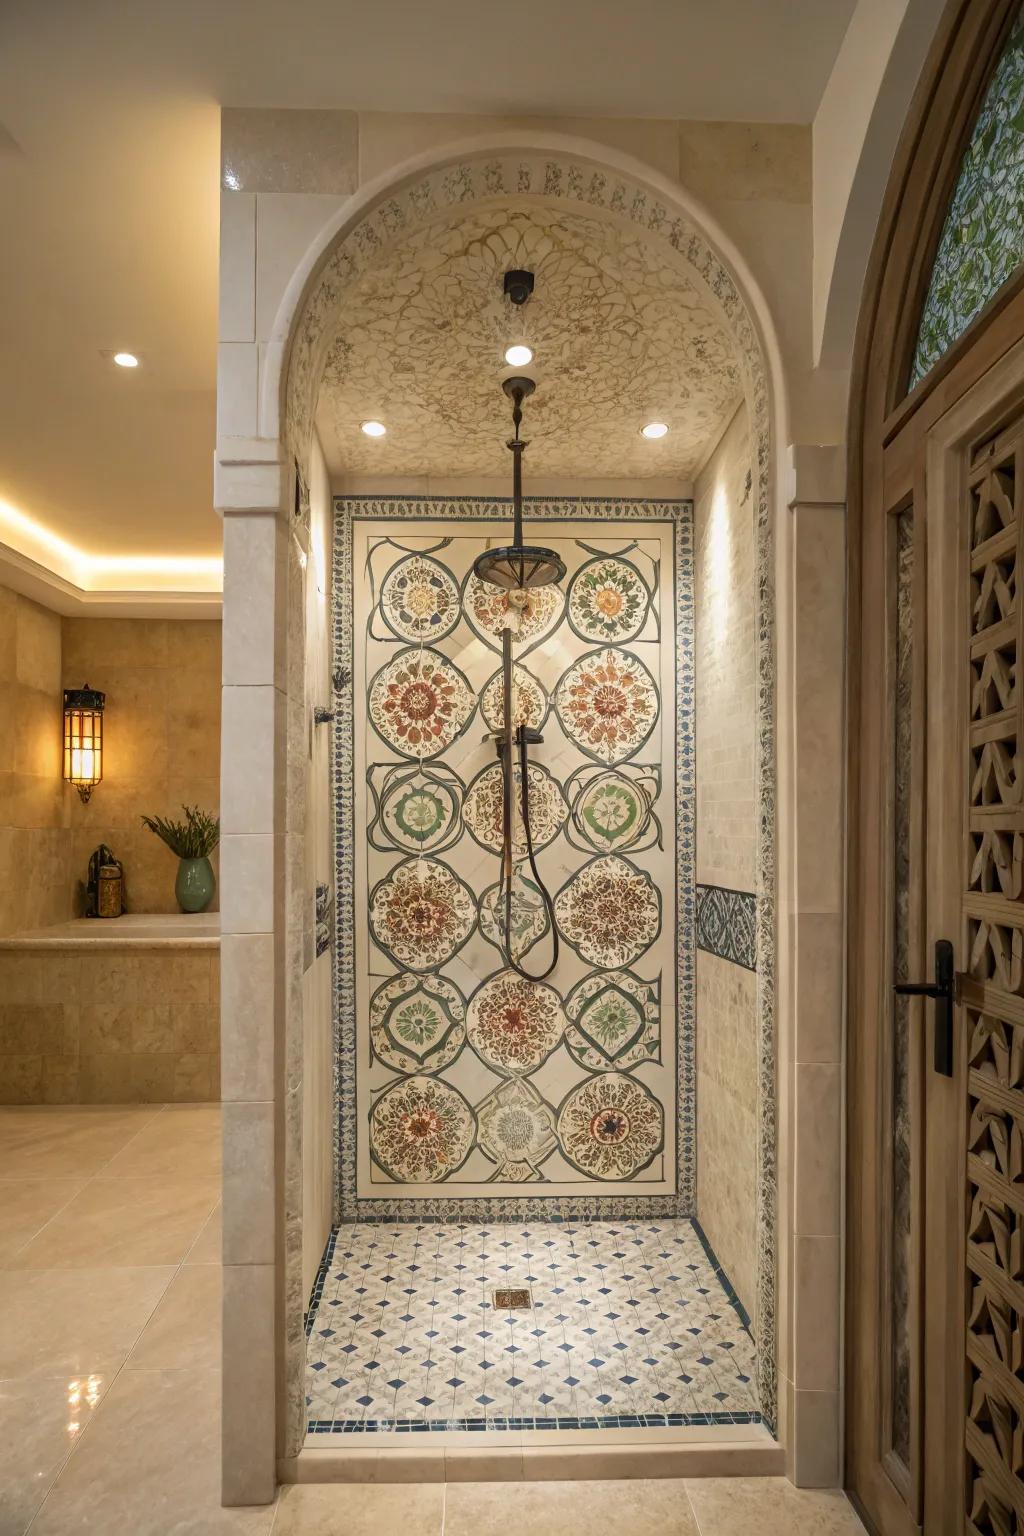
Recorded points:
99,573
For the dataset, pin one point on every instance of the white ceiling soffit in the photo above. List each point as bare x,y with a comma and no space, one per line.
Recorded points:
109,167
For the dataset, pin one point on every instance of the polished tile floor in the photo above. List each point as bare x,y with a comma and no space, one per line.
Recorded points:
110,1367
618,1324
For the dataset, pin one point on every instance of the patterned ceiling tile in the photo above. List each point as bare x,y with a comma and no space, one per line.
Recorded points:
614,322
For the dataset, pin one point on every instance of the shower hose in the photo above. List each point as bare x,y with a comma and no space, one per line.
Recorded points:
507,769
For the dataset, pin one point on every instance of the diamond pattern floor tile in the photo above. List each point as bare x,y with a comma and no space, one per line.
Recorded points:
628,1321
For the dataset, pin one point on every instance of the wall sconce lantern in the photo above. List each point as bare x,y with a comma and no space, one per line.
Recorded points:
83,738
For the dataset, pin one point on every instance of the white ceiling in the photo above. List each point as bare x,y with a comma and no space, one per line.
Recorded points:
108,189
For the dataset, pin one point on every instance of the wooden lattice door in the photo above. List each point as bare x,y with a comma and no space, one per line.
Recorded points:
992,991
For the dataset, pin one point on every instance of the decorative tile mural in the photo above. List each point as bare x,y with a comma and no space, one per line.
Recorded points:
727,924
982,240
465,1089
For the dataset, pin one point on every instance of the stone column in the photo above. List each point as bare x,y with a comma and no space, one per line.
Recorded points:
811,586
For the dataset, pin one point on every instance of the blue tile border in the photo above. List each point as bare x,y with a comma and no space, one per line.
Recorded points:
613,1421
727,924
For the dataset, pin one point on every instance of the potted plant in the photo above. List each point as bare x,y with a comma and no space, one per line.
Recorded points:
193,840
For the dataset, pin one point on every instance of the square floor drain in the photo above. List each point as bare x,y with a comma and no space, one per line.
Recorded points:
512,1299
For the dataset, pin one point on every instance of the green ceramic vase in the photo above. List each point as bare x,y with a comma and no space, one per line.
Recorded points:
195,884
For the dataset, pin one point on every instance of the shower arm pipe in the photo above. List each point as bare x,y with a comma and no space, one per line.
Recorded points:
507,810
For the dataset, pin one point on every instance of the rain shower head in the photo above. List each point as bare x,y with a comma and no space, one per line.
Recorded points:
517,567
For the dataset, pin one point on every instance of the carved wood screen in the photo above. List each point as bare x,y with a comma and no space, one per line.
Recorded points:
992,994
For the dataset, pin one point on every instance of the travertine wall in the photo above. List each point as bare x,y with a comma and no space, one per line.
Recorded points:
727,1136
161,743
131,1025
35,841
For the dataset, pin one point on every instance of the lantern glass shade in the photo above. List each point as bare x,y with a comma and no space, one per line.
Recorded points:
83,738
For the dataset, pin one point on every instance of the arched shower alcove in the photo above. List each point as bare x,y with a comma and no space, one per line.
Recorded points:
560,176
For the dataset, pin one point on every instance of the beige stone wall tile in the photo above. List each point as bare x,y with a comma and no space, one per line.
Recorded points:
152,1078
38,645
154,1029
193,1079
20,978
106,1079
30,1027
725,637
21,1079
60,1080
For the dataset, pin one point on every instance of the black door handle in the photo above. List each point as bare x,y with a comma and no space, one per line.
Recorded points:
943,990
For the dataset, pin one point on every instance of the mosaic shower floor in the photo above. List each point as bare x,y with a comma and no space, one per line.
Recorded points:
626,1324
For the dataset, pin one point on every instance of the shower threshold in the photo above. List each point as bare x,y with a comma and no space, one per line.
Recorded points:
510,1334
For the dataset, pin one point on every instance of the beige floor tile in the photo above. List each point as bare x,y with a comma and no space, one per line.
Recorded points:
325,1509
150,1464
26,1205
41,1422
61,1322
68,1142
646,1508
123,1221
771,1506
182,1142
208,1245
185,1330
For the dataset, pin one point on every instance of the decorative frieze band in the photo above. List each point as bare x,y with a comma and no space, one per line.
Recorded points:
727,924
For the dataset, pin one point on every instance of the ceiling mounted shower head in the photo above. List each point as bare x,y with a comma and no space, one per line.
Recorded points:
517,567
517,286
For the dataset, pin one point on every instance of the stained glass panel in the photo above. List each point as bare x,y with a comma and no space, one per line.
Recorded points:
982,241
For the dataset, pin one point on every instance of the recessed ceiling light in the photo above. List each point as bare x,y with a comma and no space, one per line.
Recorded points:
374,428
126,360
519,356
654,429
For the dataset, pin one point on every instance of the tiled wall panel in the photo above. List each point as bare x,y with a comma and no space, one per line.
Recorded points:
468,1084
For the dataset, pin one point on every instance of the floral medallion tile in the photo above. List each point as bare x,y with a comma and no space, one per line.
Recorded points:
609,911
614,1021
483,809
516,1130
608,601
607,703
421,914
530,616
530,920
610,1126
416,809
421,1130
529,700
420,600
417,1023
514,1024
613,809
420,703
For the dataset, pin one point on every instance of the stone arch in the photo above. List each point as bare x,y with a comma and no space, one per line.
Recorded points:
597,180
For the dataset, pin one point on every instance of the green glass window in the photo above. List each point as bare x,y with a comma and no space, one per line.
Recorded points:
982,241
